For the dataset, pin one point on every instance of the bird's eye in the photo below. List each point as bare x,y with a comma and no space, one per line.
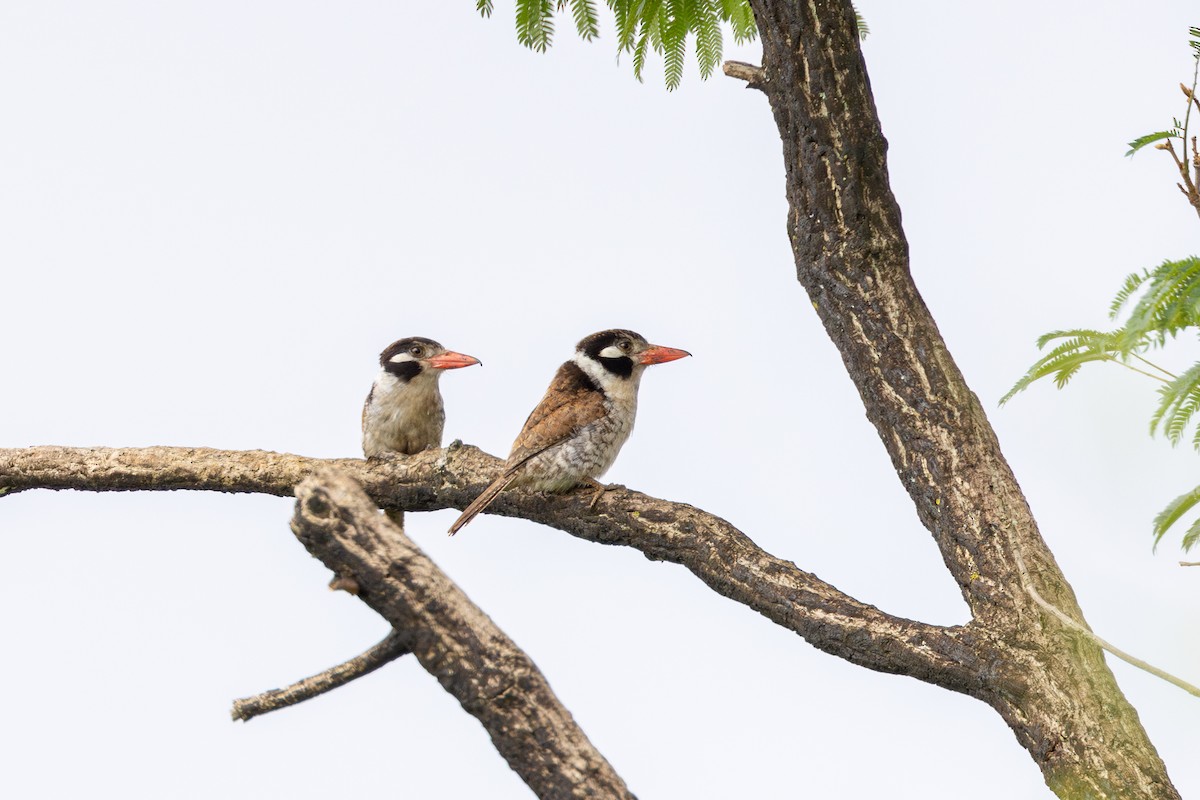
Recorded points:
417,350
624,344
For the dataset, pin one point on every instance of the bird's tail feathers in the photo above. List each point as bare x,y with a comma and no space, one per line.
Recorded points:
483,501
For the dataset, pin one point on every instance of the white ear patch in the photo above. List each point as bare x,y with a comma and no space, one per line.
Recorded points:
612,351
399,357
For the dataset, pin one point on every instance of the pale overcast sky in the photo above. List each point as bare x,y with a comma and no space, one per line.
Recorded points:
214,215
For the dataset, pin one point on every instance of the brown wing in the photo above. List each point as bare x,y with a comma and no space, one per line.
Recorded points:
572,401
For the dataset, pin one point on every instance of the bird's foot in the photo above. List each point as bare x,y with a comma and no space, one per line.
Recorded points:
600,490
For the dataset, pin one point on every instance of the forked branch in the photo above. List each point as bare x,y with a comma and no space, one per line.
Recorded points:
493,679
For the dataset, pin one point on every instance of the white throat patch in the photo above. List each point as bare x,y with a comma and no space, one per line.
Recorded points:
621,391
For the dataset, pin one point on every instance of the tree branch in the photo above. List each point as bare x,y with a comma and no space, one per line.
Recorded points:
751,74
711,548
493,679
386,651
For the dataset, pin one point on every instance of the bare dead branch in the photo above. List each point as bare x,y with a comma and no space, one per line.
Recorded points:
386,651
344,583
751,74
493,679
1170,149
714,550
1187,187
1189,563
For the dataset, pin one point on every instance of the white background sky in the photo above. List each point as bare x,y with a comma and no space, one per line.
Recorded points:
214,215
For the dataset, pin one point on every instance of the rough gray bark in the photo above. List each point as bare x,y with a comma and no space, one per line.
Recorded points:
453,640
1053,688
386,651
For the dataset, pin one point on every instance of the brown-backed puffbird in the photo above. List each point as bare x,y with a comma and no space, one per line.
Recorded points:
404,412
575,432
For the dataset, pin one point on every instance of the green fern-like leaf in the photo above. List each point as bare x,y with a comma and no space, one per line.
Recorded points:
709,42
639,54
646,18
623,22
673,36
1195,41
1171,514
863,30
1080,346
1179,400
741,20
654,28
587,21
664,26
1179,415
535,24
1192,536
1170,303
1151,138
1133,282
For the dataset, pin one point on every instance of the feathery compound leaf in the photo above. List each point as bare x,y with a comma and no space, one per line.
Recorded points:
1133,282
676,51
624,23
1195,41
740,18
1171,514
708,38
1179,400
587,22
642,25
1080,347
654,27
673,44
1170,304
863,29
535,23
1151,138
639,54
1192,536
644,17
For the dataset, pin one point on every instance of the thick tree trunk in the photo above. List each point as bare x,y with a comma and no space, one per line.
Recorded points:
1052,687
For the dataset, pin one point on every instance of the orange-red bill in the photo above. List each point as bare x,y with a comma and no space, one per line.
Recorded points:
452,360
657,354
